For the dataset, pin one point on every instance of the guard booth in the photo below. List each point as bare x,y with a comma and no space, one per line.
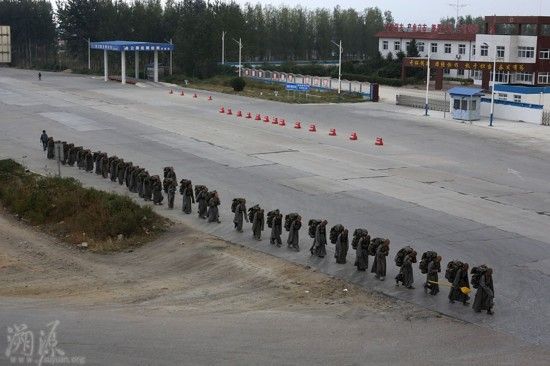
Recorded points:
465,103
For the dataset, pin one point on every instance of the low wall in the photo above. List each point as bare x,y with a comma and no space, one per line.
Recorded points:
419,102
522,112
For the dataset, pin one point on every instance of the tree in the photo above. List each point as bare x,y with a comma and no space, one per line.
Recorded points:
412,49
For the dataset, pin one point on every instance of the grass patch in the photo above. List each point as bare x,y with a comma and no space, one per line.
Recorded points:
260,90
61,206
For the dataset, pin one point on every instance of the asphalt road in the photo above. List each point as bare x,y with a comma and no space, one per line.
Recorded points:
471,194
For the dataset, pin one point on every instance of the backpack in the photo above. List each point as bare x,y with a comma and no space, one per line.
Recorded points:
401,254
235,203
289,219
270,217
251,211
452,269
427,257
312,226
374,244
476,273
208,196
199,189
334,232
357,235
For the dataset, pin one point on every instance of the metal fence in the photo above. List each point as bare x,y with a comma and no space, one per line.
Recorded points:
419,102
546,118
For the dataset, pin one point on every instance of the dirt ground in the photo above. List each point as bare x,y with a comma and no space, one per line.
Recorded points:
187,272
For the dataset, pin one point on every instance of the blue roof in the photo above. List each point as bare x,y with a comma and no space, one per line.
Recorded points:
522,89
131,46
466,92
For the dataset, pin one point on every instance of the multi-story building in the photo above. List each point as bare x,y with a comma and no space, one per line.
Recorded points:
520,44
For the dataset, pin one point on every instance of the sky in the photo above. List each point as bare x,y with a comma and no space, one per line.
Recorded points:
427,11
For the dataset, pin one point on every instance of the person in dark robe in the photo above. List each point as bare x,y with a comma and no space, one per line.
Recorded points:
50,149
319,247
485,294
362,253
147,187
72,155
342,246
105,166
405,275
188,196
171,193
128,174
240,216
89,161
112,168
202,204
258,223
44,140
65,149
460,280
139,182
276,229
157,190
213,211
97,162
432,277
293,240
379,263
121,168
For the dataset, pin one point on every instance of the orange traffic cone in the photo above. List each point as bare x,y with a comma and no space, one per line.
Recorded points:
194,95
229,111
353,136
182,93
266,118
312,128
209,97
171,91
332,132
282,122
379,141
248,115
297,125
239,114
275,121
258,118
222,110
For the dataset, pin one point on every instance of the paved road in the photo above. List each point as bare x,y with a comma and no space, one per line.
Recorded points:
469,193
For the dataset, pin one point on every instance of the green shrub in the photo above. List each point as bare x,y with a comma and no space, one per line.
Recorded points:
238,84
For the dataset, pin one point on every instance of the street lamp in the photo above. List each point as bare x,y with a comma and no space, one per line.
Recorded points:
87,40
493,87
339,45
170,41
428,80
240,43
223,48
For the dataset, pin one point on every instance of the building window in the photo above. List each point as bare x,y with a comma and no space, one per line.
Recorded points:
544,77
397,45
461,49
500,51
502,77
476,75
517,98
545,54
484,50
473,105
526,52
407,44
502,96
384,45
447,48
460,72
447,71
456,104
420,46
434,47
474,50
524,77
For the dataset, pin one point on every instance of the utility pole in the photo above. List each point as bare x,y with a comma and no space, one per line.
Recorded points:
89,55
458,6
339,45
171,57
428,80
240,43
223,47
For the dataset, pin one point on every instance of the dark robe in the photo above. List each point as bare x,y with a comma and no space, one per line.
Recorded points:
362,254
105,167
51,153
121,168
379,263
139,184
405,275
432,277
461,280
171,195
97,161
112,170
239,217
276,230
128,175
72,156
44,141
147,188
157,192
201,200
188,198
89,162
341,250
65,153
293,240
258,224
213,213
319,247
485,294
